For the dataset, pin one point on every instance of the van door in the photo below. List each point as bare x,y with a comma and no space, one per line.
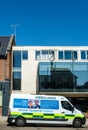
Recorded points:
68,111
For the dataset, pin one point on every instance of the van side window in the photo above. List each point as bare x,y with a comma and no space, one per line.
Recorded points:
66,105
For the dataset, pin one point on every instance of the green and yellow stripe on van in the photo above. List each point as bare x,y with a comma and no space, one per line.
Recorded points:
46,115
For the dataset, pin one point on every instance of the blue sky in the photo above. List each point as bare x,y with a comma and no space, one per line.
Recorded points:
45,22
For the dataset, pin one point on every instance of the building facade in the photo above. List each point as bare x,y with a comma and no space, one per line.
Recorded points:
6,43
54,70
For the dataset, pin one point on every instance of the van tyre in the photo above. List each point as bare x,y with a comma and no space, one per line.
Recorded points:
20,122
77,123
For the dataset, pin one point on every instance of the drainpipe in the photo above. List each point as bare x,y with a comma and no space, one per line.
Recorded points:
5,66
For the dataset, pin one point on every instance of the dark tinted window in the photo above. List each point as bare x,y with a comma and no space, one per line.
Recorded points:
83,55
60,55
16,58
16,80
68,55
25,55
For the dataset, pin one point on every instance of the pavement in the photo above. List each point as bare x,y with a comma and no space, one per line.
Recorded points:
3,120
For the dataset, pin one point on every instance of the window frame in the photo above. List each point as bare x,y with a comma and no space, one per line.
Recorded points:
37,55
16,69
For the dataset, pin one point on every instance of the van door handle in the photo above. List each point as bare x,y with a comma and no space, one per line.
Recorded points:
62,112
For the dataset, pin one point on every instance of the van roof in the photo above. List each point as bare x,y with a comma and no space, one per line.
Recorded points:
37,96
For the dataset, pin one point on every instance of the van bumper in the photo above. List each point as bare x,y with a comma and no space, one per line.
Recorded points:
83,120
11,120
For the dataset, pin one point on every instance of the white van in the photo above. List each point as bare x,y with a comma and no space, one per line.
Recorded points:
43,109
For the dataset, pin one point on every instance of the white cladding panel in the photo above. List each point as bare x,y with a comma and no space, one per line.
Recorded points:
29,77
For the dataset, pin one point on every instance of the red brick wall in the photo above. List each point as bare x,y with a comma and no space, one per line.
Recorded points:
8,66
5,67
1,69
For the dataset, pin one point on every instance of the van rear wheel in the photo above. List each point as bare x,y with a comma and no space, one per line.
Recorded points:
77,123
20,122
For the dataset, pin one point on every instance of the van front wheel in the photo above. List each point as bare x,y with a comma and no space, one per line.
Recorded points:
77,123
20,122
